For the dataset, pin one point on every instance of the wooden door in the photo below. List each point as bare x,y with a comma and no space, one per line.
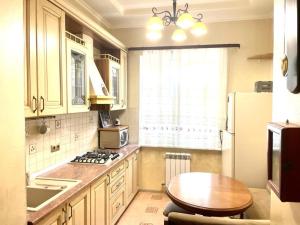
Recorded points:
100,202
79,209
54,218
51,59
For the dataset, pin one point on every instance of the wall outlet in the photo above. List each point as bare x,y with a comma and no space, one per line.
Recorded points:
55,148
32,149
76,137
57,124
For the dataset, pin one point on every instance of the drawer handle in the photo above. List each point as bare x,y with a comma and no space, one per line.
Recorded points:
43,104
71,211
35,104
65,216
118,206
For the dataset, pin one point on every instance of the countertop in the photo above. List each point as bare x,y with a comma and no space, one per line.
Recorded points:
87,173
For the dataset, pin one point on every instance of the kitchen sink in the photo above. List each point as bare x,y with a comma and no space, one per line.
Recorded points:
42,191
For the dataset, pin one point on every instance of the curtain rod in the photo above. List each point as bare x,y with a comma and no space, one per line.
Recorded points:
185,47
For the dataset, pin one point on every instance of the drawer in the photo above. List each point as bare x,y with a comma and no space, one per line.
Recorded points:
118,170
117,206
115,186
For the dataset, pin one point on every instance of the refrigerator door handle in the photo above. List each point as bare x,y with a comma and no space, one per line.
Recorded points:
221,138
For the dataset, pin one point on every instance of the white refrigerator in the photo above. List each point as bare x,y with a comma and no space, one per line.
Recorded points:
244,146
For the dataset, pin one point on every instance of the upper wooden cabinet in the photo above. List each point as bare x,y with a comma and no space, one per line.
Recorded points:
77,76
45,81
114,73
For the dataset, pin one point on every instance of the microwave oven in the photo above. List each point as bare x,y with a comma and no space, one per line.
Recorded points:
113,137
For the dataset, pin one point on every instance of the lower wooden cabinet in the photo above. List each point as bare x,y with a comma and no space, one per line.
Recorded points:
78,209
57,217
100,202
131,186
117,205
104,202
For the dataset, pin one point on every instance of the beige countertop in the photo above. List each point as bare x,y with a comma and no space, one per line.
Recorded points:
87,173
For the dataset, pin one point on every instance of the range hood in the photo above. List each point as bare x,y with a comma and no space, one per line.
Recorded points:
99,94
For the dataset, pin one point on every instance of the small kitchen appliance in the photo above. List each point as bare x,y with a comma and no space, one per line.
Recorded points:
113,137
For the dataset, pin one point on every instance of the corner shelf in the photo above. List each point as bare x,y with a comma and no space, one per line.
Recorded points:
267,56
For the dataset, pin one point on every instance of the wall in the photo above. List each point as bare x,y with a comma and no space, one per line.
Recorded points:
12,160
152,169
285,106
77,135
255,37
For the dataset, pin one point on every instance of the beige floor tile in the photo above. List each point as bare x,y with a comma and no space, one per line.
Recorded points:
136,213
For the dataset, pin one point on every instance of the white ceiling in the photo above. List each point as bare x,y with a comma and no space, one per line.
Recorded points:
134,13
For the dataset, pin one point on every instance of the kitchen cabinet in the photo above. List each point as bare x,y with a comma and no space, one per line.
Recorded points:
114,73
56,217
45,79
77,76
117,203
100,202
131,187
78,209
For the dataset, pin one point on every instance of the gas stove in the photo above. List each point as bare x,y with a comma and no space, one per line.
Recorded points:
97,157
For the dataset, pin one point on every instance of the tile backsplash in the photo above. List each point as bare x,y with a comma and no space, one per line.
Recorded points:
75,133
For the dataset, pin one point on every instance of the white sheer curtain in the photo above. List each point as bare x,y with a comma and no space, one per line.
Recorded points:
183,98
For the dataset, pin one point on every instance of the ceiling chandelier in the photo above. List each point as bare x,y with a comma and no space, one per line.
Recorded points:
181,18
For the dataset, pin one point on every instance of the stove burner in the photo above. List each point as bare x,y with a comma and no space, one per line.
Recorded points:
97,157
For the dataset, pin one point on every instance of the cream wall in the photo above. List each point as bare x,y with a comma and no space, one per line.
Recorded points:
255,37
12,131
285,106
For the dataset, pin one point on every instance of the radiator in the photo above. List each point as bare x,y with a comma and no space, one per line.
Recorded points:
176,163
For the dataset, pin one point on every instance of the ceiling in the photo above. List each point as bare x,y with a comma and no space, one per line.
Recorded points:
134,13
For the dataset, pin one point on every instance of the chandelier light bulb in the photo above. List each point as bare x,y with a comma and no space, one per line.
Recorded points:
178,35
153,35
199,29
155,23
185,21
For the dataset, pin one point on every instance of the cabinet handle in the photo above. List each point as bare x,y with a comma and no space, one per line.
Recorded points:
65,216
127,163
71,211
119,204
284,65
34,103
43,104
108,177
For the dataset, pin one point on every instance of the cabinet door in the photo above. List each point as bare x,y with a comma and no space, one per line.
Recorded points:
129,182
54,218
51,59
123,80
135,173
79,209
77,77
100,202
30,76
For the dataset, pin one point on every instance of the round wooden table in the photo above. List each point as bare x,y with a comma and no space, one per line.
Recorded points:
209,194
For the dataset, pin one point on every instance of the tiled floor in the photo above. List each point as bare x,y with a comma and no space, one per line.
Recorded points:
146,209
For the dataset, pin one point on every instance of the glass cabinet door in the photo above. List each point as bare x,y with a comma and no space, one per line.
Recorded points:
78,82
115,83
77,77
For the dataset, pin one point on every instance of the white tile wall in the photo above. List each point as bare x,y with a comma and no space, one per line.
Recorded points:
77,135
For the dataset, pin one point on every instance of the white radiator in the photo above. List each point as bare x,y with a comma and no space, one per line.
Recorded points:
176,163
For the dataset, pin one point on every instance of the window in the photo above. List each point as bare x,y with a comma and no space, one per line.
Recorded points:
183,98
